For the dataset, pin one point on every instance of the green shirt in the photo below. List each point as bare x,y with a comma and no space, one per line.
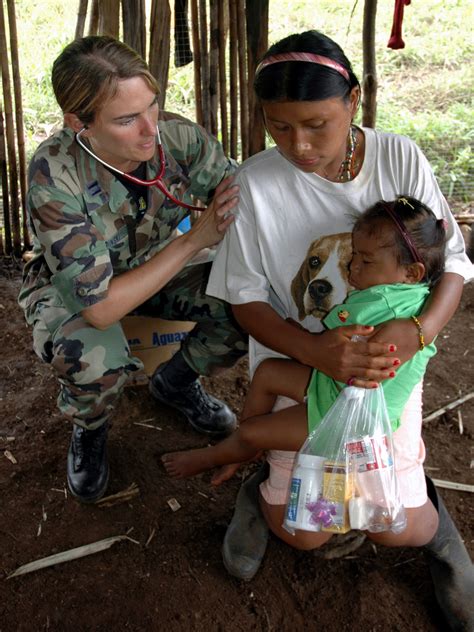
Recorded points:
373,306
86,225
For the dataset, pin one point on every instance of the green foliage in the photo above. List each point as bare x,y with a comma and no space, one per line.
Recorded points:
446,138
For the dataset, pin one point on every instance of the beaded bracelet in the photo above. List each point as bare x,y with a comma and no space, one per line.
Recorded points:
420,332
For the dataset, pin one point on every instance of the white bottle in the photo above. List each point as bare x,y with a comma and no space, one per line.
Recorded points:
306,488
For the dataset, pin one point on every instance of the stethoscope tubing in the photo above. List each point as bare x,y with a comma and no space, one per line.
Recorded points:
157,181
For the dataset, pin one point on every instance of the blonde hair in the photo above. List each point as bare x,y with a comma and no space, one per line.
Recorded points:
87,72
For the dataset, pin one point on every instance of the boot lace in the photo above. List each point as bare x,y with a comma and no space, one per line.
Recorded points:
88,447
199,399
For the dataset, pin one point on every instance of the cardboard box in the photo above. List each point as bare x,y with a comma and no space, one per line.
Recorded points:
154,340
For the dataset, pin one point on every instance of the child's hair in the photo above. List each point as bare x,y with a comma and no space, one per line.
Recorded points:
417,234
304,80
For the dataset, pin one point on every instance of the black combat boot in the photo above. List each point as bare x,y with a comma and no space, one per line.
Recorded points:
87,463
246,537
174,383
451,569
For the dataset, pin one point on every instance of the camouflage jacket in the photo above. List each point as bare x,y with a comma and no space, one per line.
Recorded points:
84,221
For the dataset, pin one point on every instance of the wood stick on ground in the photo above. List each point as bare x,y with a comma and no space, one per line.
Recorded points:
70,554
460,487
450,406
150,537
120,497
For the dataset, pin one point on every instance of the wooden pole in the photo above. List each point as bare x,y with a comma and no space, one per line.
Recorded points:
133,20
94,18
20,130
233,78
257,44
197,62
10,136
222,27
159,55
5,189
243,83
369,80
81,19
206,97
213,65
109,17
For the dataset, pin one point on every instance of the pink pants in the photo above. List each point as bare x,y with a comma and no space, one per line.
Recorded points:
409,457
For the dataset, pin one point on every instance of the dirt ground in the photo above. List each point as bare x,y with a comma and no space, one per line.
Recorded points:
170,577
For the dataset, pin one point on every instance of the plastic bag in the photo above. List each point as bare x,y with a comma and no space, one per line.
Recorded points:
344,475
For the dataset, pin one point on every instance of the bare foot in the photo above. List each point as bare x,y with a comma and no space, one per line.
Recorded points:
224,473
187,463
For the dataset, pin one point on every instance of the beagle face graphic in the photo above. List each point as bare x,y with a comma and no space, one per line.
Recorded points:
322,280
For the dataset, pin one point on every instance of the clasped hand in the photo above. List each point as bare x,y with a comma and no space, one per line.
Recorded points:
211,224
367,363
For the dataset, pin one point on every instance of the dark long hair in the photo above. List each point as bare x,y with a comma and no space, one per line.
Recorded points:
427,233
301,80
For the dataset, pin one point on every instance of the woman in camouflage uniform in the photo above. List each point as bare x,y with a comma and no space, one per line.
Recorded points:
103,247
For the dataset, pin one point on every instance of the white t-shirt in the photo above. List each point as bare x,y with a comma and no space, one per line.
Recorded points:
266,256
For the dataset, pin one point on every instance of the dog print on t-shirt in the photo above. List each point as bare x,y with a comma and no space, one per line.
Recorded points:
322,280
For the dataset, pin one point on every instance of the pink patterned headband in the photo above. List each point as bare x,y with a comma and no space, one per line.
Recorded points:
402,229
311,57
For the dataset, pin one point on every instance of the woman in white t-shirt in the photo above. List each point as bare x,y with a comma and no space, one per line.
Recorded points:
285,259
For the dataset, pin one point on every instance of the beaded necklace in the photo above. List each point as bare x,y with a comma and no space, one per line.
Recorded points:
346,170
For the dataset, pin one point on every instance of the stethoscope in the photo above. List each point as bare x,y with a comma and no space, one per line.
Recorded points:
157,181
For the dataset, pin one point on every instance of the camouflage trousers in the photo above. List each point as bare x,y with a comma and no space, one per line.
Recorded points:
93,365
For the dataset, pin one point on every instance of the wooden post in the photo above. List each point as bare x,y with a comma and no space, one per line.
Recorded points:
197,62
8,247
243,83
10,136
133,20
213,65
109,17
369,80
94,18
206,97
20,130
159,55
222,26
257,44
233,78
81,19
